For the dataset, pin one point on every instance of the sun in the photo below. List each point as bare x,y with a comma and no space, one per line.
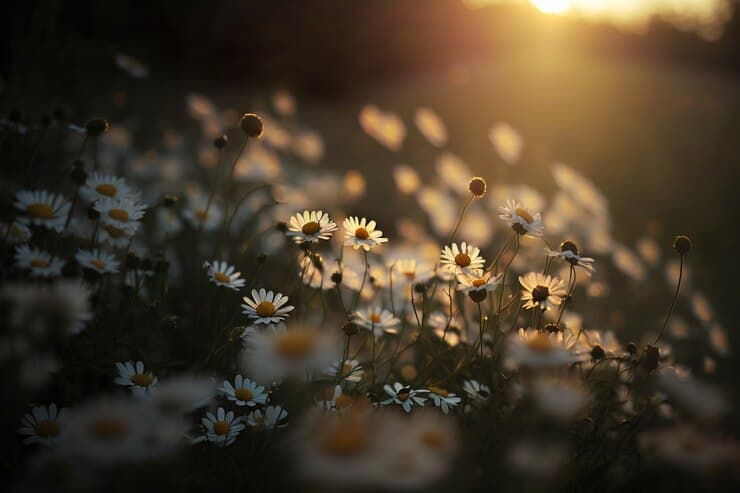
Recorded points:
552,6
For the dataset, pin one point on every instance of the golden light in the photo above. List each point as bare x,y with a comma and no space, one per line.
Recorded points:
552,6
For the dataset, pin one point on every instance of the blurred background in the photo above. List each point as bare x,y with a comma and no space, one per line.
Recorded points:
641,96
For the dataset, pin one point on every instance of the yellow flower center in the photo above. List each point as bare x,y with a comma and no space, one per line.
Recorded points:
142,379
403,394
439,391
114,232
347,439
118,215
311,228
524,214
540,343
295,344
47,428
433,439
99,264
479,282
243,394
201,214
221,277
265,309
106,189
40,263
462,259
410,275
347,369
362,234
221,427
375,318
40,211
109,429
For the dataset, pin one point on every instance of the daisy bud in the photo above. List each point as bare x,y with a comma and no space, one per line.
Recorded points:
251,124
261,258
552,328
132,261
282,226
96,127
92,213
78,175
651,358
597,353
570,246
220,142
350,328
682,244
477,186
169,201
478,296
336,277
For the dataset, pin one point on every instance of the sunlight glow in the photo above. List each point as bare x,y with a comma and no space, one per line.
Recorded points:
552,6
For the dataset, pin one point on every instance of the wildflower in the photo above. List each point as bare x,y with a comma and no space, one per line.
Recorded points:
405,397
64,305
15,232
431,126
97,260
443,399
521,220
266,307
377,320
120,213
406,178
222,274
182,394
412,272
333,400
41,263
244,392
42,208
251,125
133,376
311,226
222,428
682,244
272,417
351,370
385,127
569,253
507,142
533,348
198,217
540,291
476,391
699,398
104,186
42,425
559,398
463,259
477,283
477,187
359,233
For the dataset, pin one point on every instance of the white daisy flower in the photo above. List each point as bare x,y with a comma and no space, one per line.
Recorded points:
15,232
476,284
351,370
360,233
540,291
533,348
63,305
222,428
463,259
121,214
114,236
272,417
42,425
42,208
132,375
412,272
377,320
559,398
244,392
443,399
266,307
195,214
522,220
406,397
223,274
41,263
104,186
476,391
311,226
182,394
333,400
97,260
569,253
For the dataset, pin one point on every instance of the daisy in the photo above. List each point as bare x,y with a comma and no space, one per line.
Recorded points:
244,392
522,220
121,214
311,226
477,392
42,208
222,428
377,320
97,260
463,259
351,370
132,375
359,233
103,186
222,274
182,394
533,348
569,253
63,305
272,417
114,236
405,397
540,291
270,356
15,232
412,272
41,263
333,400
478,283
559,398
198,217
42,425
443,399
266,307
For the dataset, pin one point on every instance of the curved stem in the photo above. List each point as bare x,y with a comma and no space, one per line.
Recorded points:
673,301
459,219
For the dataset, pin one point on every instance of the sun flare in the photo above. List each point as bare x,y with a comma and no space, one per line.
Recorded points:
552,6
